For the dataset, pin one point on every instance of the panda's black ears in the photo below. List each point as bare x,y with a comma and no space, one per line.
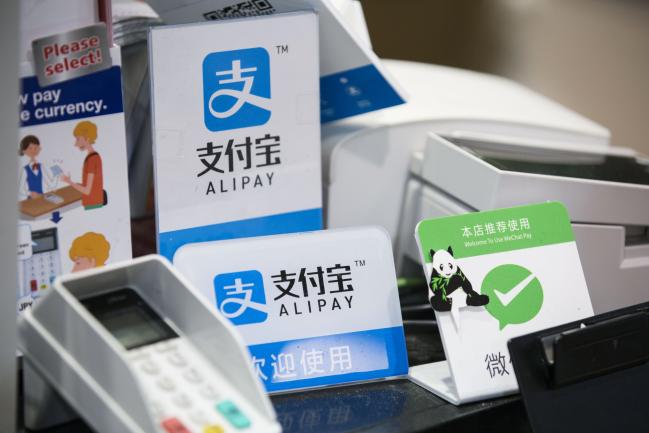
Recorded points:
450,250
432,253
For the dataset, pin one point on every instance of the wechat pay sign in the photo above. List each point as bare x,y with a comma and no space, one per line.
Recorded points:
495,275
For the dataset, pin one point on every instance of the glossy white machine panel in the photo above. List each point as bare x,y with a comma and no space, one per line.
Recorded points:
367,158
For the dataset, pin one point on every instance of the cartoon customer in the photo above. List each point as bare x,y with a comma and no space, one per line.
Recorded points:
90,250
92,178
33,175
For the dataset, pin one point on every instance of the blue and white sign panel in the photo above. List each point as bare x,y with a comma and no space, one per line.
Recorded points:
316,309
236,129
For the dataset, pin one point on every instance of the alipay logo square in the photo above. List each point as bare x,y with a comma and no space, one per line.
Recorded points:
240,297
236,89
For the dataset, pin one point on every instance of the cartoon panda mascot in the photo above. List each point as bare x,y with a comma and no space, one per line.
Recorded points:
446,278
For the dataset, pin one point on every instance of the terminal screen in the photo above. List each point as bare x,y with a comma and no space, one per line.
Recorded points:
611,168
44,241
128,318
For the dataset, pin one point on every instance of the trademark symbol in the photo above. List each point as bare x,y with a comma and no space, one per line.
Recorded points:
359,263
281,49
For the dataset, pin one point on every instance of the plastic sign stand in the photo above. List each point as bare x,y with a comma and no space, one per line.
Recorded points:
236,129
493,276
315,309
352,79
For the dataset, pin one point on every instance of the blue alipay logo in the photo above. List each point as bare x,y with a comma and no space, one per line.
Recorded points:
240,297
236,89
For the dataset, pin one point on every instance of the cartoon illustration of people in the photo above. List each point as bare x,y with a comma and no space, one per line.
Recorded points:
90,250
34,179
92,178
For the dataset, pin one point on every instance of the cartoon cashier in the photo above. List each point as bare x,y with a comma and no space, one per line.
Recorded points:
92,177
34,179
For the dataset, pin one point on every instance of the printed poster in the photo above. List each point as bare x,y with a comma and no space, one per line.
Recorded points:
73,188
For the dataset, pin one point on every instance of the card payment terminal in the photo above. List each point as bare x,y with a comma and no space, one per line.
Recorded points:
133,348
40,270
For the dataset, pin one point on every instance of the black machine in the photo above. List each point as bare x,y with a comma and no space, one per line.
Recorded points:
587,376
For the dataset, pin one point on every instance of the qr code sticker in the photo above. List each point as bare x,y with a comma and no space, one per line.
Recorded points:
249,8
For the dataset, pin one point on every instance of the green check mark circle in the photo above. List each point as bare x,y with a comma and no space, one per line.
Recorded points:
515,294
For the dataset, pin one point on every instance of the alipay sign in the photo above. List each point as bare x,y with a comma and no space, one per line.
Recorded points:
236,129
317,308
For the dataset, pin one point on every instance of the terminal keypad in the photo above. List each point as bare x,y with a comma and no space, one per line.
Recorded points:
184,395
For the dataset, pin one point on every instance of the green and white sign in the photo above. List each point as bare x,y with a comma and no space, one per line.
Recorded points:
493,276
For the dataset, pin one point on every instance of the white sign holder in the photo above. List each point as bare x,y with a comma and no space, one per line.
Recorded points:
316,309
236,129
493,276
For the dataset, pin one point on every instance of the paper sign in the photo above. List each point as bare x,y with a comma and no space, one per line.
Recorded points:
72,178
71,54
319,308
493,276
236,130
352,79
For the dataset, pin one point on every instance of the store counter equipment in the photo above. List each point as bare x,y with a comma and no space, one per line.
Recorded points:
134,348
387,165
591,375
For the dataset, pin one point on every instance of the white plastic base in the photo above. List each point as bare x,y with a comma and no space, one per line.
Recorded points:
436,377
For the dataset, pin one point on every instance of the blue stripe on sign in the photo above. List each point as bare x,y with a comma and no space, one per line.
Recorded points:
331,359
291,222
96,94
355,91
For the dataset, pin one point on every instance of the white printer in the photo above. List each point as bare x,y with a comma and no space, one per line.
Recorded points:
467,141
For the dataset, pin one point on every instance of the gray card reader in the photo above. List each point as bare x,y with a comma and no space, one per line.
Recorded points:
133,348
